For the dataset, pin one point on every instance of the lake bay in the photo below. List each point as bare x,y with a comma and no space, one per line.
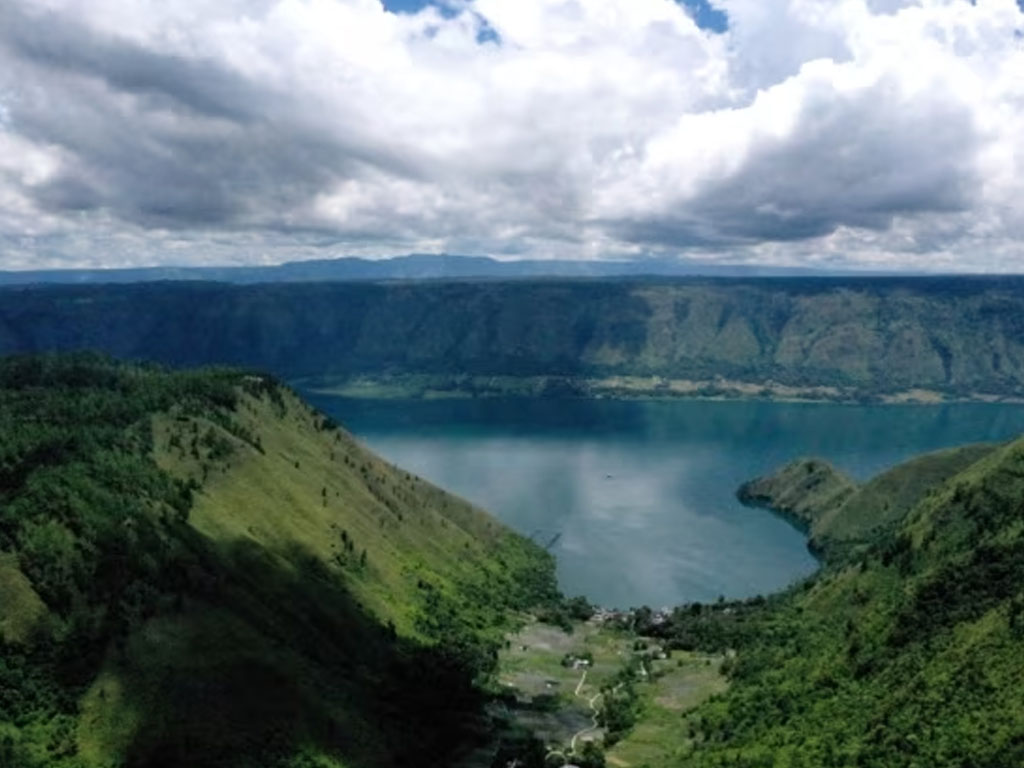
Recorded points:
636,498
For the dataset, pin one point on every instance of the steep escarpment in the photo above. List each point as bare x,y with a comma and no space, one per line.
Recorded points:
845,337
198,569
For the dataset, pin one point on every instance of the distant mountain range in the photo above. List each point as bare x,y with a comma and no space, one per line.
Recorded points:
418,266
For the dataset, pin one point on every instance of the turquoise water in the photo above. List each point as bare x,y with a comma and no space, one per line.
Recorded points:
638,496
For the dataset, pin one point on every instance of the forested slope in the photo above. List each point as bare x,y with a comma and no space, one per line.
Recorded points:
904,652
197,569
956,336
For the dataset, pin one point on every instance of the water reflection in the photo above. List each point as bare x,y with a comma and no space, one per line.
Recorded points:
641,493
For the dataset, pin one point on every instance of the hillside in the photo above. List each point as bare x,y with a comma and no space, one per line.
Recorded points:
805,490
841,517
786,337
904,653
197,569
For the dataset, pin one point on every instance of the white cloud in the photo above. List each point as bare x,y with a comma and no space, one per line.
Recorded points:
840,132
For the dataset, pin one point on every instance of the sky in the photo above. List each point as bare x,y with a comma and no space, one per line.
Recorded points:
876,134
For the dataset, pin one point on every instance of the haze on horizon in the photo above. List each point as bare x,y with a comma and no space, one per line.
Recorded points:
878,134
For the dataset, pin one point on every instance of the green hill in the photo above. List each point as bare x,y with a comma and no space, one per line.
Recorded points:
788,337
842,518
884,501
197,569
905,652
806,490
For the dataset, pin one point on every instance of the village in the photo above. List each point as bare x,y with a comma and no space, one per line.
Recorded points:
602,694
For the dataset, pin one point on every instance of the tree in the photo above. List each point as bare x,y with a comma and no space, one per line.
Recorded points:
579,608
590,756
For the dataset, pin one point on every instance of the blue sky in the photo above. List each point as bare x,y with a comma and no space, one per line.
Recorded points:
705,16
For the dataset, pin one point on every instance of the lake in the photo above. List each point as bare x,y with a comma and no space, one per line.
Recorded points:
636,498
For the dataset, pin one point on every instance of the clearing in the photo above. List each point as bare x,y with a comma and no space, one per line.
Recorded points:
555,679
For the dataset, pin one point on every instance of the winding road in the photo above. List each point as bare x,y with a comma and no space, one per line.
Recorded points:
592,703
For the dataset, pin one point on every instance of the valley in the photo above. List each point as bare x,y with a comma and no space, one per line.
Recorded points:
912,628
203,568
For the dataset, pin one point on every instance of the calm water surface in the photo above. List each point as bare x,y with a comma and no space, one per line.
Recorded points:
640,495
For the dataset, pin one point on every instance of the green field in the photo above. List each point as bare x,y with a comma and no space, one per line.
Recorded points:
558,702
662,735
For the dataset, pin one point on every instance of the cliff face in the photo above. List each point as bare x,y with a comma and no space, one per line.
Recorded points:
953,336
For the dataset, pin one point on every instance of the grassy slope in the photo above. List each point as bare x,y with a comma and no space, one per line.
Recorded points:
21,610
252,635
310,489
906,656
885,499
842,517
805,490
274,503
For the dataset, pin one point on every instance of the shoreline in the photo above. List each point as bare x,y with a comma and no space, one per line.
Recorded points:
464,387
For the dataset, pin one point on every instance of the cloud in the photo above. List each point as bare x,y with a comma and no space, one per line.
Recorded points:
876,132
802,160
